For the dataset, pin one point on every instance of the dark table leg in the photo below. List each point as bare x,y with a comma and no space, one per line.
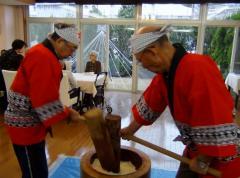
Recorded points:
236,97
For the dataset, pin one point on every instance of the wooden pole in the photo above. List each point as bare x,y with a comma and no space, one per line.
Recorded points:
113,123
101,138
183,159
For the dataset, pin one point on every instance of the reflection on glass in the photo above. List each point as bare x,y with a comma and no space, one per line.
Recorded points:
118,62
170,11
144,78
223,11
120,57
65,10
94,38
236,67
108,11
218,44
187,36
39,32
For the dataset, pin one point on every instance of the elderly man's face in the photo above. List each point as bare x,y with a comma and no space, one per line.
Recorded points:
65,49
151,60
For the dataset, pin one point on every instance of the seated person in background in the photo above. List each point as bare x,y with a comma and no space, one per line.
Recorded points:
3,96
93,65
11,59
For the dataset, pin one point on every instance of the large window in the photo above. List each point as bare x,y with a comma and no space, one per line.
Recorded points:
236,59
111,40
107,28
218,44
108,11
187,36
170,11
95,38
222,11
38,32
219,40
52,10
120,60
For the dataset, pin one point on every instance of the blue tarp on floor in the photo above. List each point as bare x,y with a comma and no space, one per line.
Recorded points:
69,167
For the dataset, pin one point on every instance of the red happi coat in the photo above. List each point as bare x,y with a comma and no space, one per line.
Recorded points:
202,111
34,103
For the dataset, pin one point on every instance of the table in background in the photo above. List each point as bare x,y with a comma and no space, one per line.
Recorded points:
86,82
233,82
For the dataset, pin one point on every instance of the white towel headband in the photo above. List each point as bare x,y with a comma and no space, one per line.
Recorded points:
70,34
139,42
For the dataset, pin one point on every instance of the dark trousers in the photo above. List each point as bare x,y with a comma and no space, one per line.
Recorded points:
185,172
32,160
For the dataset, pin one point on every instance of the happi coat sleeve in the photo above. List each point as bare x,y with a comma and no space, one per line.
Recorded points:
152,102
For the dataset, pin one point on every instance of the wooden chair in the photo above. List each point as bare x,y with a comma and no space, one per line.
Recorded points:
100,86
99,98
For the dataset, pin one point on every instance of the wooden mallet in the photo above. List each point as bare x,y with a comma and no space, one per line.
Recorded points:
107,145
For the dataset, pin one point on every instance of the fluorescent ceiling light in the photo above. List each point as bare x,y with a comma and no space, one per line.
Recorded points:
130,28
183,30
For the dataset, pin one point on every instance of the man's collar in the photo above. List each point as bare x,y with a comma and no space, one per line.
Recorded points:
179,53
49,45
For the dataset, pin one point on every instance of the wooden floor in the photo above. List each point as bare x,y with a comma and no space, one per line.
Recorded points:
73,138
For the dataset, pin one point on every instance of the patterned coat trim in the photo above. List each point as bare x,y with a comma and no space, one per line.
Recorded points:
217,135
145,111
49,110
21,114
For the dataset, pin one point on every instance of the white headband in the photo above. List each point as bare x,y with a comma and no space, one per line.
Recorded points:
140,41
70,34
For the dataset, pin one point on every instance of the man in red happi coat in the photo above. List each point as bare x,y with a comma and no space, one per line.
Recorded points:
193,88
34,104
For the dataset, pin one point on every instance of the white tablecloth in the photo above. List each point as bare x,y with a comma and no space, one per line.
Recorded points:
86,82
233,80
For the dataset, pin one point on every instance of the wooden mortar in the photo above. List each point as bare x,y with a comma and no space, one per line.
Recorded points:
139,159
